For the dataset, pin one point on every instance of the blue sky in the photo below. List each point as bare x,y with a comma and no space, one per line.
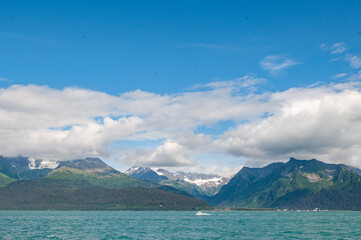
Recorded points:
175,52
167,46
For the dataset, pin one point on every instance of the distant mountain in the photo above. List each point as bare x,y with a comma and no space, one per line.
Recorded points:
84,172
145,174
89,164
209,183
297,184
94,172
197,184
83,184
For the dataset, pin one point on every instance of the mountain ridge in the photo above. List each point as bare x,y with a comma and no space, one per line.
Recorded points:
85,184
197,184
282,185
296,184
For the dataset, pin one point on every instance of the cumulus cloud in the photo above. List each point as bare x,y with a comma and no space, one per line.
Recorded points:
169,154
321,121
173,152
61,124
276,63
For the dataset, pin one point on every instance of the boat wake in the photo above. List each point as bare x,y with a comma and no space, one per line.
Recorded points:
202,214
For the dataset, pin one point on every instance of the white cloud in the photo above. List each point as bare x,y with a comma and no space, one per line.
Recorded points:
246,82
225,171
355,77
354,61
60,124
336,48
339,48
276,63
322,122
340,75
170,154
174,152
315,122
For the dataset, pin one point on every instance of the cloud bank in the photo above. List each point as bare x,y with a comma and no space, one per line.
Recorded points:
321,122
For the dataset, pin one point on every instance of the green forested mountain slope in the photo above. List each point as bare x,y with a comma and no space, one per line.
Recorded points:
298,184
5,180
87,184
52,194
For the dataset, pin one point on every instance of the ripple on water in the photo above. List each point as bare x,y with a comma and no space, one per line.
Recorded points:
178,225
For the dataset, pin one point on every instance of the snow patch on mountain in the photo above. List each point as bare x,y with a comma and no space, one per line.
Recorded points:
156,170
209,184
132,170
199,182
41,164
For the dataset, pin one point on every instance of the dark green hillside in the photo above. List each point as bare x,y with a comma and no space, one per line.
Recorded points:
298,184
241,182
44,194
174,190
331,199
83,177
191,189
84,184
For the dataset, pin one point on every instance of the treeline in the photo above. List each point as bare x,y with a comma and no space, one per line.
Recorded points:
50,194
330,199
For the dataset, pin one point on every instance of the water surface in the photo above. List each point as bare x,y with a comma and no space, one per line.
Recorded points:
178,225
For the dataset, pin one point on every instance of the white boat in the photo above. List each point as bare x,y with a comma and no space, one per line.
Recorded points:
202,214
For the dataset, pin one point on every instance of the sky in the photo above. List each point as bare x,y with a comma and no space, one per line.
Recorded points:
205,86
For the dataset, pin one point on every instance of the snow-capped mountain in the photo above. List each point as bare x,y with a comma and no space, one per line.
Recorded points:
88,164
206,182
209,183
24,168
145,174
199,183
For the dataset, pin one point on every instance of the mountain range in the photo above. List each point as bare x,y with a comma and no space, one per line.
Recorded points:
83,184
198,184
296,184
90,184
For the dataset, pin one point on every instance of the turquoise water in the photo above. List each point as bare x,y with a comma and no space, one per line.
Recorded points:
179,225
